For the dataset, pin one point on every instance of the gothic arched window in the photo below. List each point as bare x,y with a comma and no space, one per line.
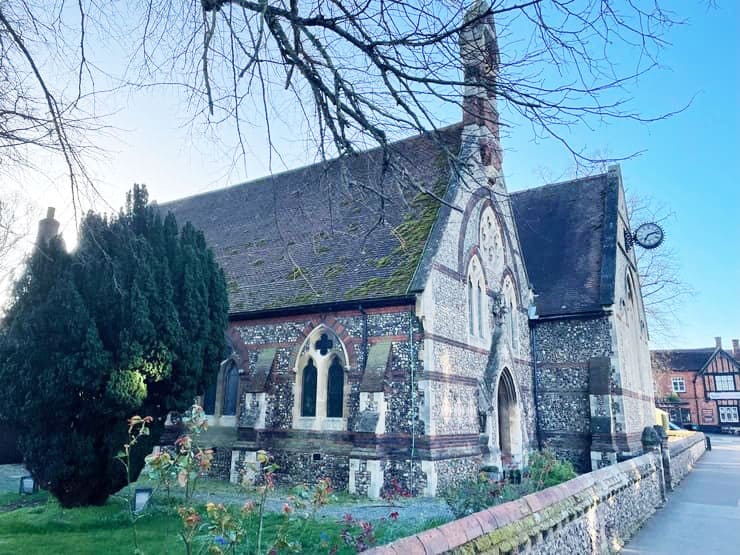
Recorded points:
512,309
335,390
231,391
471,309
477,303
320,394
308,399
480,309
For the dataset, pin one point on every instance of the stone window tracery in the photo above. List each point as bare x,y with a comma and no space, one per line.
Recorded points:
490,237
477,301
320,388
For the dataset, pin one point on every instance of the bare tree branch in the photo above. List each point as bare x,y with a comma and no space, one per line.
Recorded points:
362,72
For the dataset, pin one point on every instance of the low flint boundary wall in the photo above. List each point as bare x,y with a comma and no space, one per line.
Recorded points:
683,454
593,513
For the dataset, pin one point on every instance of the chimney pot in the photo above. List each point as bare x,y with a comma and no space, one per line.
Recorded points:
718,342
48,228
736,349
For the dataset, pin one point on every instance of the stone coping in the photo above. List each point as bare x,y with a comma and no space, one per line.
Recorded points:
542,511
680,445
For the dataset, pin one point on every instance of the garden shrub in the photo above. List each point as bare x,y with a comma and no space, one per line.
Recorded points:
543,471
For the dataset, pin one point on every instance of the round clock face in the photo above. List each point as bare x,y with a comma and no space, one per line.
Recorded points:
649,235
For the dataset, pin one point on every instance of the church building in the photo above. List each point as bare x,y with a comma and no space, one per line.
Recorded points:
397,326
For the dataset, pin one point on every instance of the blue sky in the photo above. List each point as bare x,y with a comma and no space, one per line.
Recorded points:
688,165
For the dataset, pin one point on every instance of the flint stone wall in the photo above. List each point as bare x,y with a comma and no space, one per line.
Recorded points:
306,457
594,513
684,453
563,351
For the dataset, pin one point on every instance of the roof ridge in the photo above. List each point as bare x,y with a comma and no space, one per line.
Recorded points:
281,174
559,183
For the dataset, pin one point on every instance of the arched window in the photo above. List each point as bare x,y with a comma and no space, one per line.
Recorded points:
320,394
630,292
335,390
512,310
471,309
477,302
481,314
308,399
231,391
209,399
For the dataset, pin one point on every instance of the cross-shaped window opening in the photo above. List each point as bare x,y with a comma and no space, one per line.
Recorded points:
324,344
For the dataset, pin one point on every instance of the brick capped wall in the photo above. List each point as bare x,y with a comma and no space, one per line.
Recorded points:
594,513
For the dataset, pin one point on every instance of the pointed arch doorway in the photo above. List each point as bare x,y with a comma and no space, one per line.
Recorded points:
509,422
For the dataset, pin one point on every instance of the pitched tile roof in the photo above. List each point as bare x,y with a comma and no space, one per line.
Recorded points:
687,360
681,359
322,233
563,233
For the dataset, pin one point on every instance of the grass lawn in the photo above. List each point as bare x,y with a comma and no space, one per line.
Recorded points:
48,528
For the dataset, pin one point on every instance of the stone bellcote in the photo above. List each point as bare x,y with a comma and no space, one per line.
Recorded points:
480,60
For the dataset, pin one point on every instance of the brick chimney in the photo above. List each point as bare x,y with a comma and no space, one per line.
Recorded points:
48,228
718,342
480,60
736,349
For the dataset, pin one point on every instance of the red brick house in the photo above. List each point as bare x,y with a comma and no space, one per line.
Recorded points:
699,387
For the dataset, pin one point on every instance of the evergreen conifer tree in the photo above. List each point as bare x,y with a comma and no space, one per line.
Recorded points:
131,322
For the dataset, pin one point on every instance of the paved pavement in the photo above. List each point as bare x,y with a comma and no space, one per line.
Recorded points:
702,515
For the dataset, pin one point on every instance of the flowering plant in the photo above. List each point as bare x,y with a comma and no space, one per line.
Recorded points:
188,461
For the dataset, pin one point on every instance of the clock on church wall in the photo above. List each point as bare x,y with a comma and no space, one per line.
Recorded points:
648,235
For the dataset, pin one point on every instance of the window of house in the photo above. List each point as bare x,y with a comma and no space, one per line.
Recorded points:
724,383
477,301
728,414
679,385
320,382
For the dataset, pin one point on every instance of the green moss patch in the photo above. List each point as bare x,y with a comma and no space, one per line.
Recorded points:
412,235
